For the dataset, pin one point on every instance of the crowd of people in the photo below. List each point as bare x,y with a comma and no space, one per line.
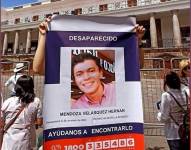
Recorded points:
23,110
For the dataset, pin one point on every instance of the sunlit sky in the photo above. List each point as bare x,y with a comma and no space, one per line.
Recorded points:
12,3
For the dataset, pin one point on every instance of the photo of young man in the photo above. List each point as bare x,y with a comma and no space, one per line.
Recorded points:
87,74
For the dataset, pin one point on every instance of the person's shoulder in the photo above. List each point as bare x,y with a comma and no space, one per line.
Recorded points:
165,96
36,103
185,89
19,75
165,93
11,77
37,100
8,101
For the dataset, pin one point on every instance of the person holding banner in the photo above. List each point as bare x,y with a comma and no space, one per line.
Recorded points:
39,60
87,74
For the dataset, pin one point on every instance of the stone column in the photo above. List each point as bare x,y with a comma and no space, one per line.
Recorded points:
16,43
176,29
5,42
153,31
28,43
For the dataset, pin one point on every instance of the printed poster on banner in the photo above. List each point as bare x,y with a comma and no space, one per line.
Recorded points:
92,94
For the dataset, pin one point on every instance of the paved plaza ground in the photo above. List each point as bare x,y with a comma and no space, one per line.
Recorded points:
156,141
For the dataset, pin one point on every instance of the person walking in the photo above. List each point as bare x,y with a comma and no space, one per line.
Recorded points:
19,114
11,82
170,112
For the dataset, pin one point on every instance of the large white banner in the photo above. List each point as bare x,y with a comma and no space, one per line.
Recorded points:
92,95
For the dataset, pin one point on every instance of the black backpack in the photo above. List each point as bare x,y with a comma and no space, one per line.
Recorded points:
184,127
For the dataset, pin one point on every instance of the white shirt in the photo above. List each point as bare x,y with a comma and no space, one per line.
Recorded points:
169,106
11,82
21,134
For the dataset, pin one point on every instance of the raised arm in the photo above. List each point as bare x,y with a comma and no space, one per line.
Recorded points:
140,30
39,58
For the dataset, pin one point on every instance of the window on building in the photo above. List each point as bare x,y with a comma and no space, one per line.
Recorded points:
35,4
132,3
9,48
78,11
185,33
17,7
72,12
55,13
17,20
47,15
35,18
103,7
34,44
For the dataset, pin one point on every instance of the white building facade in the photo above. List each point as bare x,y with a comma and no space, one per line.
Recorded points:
166,21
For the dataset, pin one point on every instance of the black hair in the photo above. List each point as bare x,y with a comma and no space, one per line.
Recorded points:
172,80
82,57
24,89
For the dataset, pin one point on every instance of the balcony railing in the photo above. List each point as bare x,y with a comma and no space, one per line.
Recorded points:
92,9
168,43
10,51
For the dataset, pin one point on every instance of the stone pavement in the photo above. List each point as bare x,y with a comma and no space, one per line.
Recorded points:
156,141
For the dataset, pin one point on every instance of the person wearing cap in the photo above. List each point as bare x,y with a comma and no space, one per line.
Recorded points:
11,82
184,66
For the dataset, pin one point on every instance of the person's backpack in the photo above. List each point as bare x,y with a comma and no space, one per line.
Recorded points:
184,127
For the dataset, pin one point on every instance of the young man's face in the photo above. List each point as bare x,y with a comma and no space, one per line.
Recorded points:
87,76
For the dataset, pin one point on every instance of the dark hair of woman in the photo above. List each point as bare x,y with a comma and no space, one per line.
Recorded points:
24,89
172,80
